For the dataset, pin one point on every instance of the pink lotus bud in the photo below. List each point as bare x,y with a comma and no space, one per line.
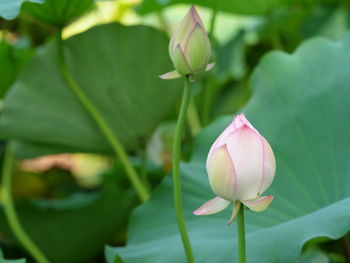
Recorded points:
189,47
240,166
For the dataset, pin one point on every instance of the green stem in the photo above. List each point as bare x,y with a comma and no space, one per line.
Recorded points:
193,118
345,244
186,97
274,35
241,236
143,168
208,84
118,148
207,101
10,210
213,19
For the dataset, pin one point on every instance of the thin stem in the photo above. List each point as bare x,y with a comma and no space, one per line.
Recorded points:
143,168
213,19
118,148
241,236
10,210
193,118
209,86
274,35
176,170
345,244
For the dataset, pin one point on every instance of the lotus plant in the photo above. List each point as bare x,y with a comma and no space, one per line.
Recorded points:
189,50
240,166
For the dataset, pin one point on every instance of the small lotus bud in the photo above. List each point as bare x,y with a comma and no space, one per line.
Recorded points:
189,47
240,166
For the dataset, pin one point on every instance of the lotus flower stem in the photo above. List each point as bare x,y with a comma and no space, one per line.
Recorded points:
241,236
118,148
213,20
10,210
143,169
193,118
209,83
186,97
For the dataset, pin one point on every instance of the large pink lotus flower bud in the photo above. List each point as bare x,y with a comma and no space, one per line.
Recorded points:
189,47
240,166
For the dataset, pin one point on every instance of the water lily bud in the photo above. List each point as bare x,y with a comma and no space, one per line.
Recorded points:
189,47
240,166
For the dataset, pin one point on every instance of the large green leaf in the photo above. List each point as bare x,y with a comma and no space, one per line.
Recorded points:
117,67
300,104
9,9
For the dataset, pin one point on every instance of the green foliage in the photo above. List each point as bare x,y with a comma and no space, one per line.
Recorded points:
314,256
75,229
57,12
12,59
3,260
252,7
298,105
123,85
8,67
9,9
238,7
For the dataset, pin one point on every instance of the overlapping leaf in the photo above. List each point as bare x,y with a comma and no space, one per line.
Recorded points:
58,12
117,67
75,229
9,9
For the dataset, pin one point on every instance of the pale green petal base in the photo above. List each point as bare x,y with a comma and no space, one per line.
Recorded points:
176,75
171,75
210,66
259,204
236,207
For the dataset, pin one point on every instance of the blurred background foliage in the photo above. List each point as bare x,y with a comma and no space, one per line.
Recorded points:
75,202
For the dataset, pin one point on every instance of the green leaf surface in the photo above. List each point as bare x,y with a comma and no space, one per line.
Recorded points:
299,105
118,69
231,58
75,230
9,9
58,12
242,7
12,59
237,7
314,256
8,67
